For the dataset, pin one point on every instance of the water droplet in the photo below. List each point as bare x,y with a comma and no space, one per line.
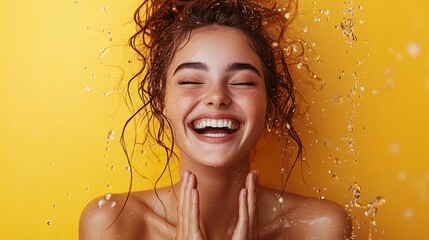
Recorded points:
275,44
130,61
113,204
86,68
52,164
326,12
317,19
128,168
305,29
287,15
49,222
335,178
101,203
281,199
395,148
68,194
112,167
88,89
379,201
55,205
337,161
402,176
408,213
111,135
107,196
413,49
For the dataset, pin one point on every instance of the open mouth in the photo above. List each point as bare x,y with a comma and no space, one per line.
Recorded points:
215,127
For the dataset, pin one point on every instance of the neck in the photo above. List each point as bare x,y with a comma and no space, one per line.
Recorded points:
219,189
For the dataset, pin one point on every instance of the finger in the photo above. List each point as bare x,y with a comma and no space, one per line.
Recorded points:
181,206
251,182
240,231
187,204
194,221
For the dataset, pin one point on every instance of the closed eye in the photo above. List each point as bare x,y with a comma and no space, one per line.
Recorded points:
188,82
244,84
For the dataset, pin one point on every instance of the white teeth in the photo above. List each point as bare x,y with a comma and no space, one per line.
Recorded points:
215,123
215,134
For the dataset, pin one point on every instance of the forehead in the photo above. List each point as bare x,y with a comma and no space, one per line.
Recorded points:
216,45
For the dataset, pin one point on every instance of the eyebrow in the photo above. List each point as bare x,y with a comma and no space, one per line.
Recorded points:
242,66
230,68
191,65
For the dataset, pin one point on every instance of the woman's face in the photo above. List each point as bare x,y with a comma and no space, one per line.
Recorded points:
215,97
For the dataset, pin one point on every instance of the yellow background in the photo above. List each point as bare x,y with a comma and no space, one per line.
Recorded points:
61,62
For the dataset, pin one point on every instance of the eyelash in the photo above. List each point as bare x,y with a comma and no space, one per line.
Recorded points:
233,84
244,83
187,82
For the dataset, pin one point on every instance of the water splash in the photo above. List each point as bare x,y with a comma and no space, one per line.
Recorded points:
370,209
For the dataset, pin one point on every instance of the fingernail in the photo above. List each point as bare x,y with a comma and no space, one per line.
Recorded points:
255,174
183,173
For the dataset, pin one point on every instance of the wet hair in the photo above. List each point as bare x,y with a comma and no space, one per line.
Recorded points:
163,25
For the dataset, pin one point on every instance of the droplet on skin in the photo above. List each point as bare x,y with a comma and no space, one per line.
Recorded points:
287,15
128,168
112,167
413,49
275,44
101,203
281,199
49,222
88,89
113,204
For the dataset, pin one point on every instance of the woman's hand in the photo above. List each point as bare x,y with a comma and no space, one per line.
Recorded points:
247,226
188,216
188,224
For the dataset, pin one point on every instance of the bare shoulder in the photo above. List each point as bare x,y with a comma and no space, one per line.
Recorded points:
105,217
300,217
319,219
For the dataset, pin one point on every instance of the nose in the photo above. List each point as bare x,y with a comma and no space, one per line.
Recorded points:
217,96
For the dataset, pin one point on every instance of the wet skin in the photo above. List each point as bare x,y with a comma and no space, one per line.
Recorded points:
216,79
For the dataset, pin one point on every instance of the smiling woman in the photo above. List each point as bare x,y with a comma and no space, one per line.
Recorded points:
215,76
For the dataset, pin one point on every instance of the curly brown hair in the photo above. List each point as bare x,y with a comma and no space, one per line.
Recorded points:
162,25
